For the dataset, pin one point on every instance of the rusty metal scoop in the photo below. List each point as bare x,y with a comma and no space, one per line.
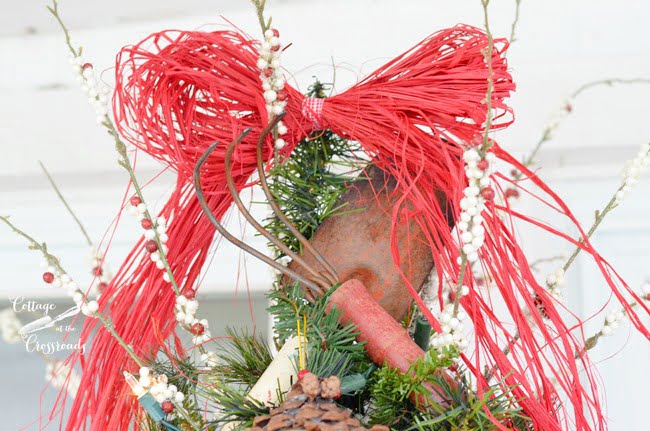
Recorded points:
356,242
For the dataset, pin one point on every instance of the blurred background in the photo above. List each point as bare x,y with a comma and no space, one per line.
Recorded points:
559,47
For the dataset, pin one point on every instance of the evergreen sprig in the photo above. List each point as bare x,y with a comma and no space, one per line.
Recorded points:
324,330
392,394
182,372
235,406
243,358
307,185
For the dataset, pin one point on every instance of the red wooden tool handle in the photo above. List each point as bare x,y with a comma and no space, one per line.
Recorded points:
386,341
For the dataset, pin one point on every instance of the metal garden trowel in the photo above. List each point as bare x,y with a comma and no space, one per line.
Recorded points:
356,242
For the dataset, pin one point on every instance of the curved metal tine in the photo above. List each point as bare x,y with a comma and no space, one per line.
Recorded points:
206,209
330,273
323,282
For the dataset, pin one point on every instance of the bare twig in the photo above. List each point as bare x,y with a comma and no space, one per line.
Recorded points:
488,97
259,8
513,27
609,82
600,216
54,261
54,10
67,206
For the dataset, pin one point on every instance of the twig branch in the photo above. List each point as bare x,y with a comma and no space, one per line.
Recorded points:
120,147
547,133
513,27
125,162
259,8
54,261
54,10
600,216
67,206
609,82
488,97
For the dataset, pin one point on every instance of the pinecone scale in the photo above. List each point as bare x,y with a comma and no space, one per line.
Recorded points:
310,406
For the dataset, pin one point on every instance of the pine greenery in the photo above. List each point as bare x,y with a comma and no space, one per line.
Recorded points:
392,394
307,185
243,358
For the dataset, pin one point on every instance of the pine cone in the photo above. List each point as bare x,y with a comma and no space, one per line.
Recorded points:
309,406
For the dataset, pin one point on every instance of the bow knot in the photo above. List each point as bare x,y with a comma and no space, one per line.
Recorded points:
312,109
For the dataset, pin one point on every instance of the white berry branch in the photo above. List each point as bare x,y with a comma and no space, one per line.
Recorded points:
613,321
89,308
555,281
470,228
471,204
567,108
632,174
155,229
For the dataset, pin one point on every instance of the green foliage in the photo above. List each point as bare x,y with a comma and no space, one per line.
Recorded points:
324,331
234,405
243,358
332,348
286,305
392,391
181,372
393,394
307,185
390,404
325,363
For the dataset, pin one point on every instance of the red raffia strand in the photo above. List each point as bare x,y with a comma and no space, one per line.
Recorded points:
178,92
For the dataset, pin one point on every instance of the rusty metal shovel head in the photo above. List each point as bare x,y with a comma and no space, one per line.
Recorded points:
357,242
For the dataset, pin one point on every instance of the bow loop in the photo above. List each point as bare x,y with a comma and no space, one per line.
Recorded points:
193,89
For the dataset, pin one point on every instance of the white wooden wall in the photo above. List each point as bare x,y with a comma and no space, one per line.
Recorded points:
561,45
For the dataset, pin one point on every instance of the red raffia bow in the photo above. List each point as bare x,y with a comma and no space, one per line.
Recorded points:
178,92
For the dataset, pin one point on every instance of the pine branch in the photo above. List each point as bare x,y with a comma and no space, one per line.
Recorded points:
393,391
234,405
324,330
243,358
308,185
